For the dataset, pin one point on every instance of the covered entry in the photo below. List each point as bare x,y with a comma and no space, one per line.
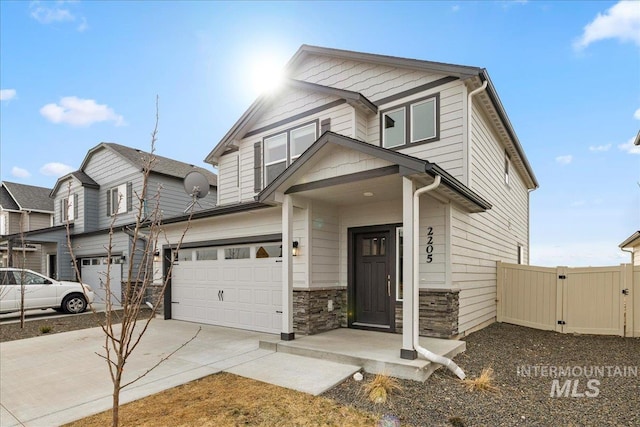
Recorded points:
237,286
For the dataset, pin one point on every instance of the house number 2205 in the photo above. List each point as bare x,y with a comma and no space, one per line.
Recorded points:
429,245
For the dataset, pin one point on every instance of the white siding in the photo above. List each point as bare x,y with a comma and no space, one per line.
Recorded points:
447,151
479,240
228,182
343,161
325,246
372,80
289,103
341,122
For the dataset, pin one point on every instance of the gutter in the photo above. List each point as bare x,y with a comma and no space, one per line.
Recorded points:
432,357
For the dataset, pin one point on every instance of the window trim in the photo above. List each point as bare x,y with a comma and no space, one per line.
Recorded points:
404,134
122,205
507,169
397,261
435,120
408,131
288,159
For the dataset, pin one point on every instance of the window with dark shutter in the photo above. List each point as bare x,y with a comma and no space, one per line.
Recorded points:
257,167
129,196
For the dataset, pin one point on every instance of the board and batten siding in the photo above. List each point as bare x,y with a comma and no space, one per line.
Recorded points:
479,240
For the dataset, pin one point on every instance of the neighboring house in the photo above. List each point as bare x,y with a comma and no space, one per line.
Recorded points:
327,167
632,245
105,192
24,208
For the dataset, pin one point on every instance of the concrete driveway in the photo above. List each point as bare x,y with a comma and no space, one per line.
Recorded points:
54,379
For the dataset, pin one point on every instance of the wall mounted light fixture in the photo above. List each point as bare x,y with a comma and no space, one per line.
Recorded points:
294,251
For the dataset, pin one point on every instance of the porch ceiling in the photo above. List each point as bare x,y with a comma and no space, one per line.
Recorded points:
384,188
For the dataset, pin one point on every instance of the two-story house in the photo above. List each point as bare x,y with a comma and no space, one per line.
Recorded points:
369,192
104,194
24,208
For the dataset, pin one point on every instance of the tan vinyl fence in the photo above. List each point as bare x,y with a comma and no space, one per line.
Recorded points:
593,300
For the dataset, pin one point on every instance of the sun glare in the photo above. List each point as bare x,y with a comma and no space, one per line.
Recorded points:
266,76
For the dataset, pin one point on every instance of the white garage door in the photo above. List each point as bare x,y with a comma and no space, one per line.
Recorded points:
94,273
239,287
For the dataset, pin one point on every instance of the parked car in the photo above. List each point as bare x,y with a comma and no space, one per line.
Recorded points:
41,292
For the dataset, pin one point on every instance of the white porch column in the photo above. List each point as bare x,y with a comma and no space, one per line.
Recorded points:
407,351
287,269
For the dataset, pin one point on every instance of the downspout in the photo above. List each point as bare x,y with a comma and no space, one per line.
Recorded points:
432,357
469,117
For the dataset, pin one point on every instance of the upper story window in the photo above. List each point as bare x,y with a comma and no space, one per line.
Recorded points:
119,199
506,168
69,208
412,123
282,149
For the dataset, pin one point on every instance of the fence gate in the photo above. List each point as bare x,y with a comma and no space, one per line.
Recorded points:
594,300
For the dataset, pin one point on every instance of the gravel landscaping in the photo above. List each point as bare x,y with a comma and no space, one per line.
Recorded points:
523,360
524,398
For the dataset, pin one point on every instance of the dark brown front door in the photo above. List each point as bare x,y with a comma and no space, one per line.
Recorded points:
372,279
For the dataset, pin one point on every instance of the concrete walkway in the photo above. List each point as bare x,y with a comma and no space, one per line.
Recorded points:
55,379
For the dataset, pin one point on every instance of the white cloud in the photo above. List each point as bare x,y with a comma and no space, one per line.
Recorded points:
55,169
58,11
19,172
629,147
455,8
7,94
564,160
596,148
636,115
80,112
621,21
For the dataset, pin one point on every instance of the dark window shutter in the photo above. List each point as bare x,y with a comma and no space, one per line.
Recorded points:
257,167
325,126
75,206
129,196
108,202
62,211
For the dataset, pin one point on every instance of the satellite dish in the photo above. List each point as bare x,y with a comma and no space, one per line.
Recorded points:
197,186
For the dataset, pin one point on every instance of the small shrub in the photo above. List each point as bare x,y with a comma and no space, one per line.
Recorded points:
45,329
457,422
483,383
379,389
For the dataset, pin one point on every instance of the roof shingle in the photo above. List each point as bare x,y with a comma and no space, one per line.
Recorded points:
27,197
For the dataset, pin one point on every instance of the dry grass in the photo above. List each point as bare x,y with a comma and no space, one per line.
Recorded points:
483,383
229,400
381,387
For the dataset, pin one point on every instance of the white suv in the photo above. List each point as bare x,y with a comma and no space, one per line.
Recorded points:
41,292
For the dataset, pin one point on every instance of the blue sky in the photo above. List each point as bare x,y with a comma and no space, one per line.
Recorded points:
75,73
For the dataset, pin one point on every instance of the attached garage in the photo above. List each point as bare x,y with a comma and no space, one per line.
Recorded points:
237,286
94,273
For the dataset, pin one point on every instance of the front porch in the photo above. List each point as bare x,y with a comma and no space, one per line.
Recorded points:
375,352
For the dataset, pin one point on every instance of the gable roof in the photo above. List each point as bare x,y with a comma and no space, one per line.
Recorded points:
631,241
407,165
458,71
163,166
14,196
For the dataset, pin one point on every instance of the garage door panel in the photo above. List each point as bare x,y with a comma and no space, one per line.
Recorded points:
229,274
251,298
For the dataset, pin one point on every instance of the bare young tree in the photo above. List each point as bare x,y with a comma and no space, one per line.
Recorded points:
124,328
